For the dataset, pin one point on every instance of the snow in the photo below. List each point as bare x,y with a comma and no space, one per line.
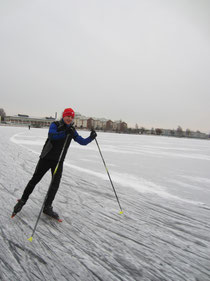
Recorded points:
163,185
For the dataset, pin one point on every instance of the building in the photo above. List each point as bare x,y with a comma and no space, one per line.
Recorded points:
26,120
119,126
80,122
109,125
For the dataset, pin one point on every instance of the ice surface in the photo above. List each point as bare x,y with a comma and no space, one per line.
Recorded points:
164,188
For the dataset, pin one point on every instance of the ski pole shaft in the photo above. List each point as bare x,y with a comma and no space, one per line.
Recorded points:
53,176
109,176
40,212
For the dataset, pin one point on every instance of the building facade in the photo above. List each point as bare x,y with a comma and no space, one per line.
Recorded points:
25,120
80,122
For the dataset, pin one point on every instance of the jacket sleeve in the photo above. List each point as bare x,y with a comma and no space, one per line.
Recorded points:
54,134
81,140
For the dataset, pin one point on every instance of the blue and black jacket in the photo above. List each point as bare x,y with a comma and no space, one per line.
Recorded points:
56,138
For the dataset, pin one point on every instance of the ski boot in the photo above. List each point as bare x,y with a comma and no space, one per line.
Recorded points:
48,210
18,207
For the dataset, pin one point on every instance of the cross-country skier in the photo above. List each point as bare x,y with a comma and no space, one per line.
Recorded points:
49,157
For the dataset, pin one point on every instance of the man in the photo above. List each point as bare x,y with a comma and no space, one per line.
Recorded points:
57,135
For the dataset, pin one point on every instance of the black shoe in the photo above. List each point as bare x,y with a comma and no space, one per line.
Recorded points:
18,206
48,210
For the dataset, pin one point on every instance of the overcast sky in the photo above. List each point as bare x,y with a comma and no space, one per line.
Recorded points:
146,62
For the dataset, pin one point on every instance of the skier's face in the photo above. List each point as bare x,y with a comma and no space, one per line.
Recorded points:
68,119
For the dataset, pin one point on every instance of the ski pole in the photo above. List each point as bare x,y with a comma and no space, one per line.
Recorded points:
121,211
53,176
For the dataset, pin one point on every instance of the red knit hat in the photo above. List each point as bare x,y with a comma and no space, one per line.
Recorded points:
68,112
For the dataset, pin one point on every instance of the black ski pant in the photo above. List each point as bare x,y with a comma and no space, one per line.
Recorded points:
42,167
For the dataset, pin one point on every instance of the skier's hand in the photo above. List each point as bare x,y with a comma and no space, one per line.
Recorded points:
93,135
70,131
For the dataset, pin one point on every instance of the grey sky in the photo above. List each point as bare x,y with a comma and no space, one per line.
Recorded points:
142,61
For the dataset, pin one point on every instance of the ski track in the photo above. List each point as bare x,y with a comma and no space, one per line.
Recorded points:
155,239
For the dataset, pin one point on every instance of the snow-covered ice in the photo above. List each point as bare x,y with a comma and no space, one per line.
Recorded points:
163,185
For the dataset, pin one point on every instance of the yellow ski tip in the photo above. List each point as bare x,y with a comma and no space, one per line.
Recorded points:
121,212
30,239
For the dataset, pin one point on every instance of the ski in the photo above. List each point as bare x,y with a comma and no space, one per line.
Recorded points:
57,219
18,207
20,204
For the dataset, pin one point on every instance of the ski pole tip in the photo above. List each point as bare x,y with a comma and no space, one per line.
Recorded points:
30,239
121,212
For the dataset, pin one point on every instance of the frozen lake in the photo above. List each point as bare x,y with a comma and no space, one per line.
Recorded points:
164,188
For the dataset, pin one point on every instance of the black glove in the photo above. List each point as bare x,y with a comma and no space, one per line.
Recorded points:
93,135
70,131
61,127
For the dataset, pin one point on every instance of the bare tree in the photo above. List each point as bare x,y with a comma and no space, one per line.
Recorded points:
188,132
2,113
172,132
142,130
158,131
179,131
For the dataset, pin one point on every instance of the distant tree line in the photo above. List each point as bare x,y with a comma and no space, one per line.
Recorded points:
179,132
